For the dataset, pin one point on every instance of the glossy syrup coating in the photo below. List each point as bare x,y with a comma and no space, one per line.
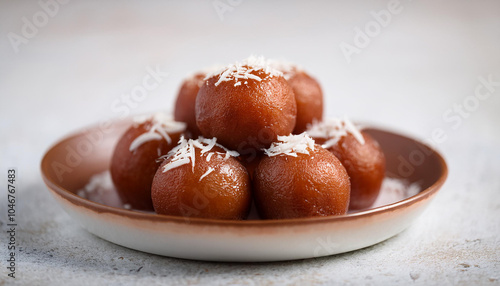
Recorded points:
302,186
309,99
132,172
224,193
185,103
365,164
248,113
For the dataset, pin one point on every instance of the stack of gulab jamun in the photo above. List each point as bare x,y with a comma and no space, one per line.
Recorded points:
250,132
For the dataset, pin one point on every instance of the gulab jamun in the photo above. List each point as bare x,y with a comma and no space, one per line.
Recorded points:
185,103
298,178
308,95
201,178
360,154
134,160
247,105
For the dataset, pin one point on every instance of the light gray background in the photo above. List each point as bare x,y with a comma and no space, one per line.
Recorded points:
424,62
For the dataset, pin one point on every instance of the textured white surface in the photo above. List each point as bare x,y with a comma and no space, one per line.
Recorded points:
427,60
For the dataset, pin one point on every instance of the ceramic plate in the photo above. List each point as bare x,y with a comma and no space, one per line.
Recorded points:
70,167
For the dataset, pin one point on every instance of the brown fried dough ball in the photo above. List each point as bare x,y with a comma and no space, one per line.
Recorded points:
134,160
313,184
363,159
214,185
309,99
308,94
246,105
185,103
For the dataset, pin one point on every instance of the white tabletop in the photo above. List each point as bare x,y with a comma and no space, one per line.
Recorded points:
414,66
